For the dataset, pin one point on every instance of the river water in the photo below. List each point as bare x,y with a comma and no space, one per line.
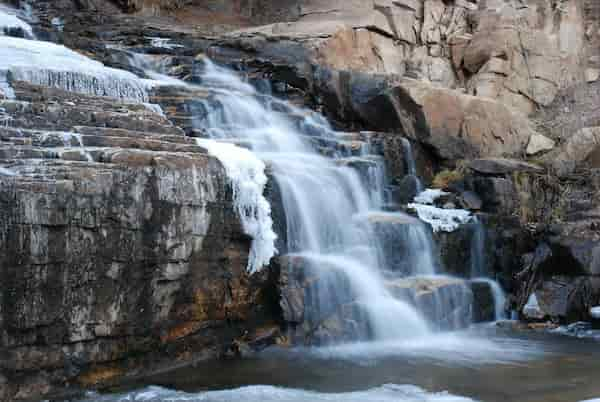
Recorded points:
484,364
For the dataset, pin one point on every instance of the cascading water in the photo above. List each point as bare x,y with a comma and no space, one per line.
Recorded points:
479,271
411,165
332,193
326,204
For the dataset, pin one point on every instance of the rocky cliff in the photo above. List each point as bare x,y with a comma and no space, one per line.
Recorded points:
121,251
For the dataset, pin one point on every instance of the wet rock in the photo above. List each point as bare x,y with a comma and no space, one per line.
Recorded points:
408,188
455,250
445,301
315,312
406,243
470,200
563,298
483,308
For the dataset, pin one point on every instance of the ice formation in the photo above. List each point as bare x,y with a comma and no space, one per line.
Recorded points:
429,196
48,64
440,219
446,220
248,179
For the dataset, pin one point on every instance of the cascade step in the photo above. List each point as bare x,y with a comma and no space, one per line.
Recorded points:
120,132
445,301
138,143
64,117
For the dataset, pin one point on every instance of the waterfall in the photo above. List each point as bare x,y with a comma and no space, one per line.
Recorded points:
411,165
479,271
11,24
498,296
369,270
326,205
478,259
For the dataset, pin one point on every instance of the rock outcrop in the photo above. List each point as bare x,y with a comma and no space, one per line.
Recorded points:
109,209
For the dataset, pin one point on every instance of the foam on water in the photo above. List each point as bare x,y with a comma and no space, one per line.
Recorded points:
263,393
48,64
248,179
446,347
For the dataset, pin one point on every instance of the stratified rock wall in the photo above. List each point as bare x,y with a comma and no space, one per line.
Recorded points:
106,255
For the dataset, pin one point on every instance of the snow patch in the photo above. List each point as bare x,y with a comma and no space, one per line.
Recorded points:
248,179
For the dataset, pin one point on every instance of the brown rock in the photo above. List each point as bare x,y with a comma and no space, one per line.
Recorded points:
457,126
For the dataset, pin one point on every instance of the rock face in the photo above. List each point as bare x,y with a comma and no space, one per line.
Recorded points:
135,233
513,57
457,126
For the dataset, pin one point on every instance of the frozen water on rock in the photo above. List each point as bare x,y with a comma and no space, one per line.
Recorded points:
440,219
248,179
429,196
447,220
48,64
164,43
264,393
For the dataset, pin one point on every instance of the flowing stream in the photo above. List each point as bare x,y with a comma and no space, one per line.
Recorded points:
373,267
326,203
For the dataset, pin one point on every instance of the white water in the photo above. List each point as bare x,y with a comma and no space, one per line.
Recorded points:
325,204
264,393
